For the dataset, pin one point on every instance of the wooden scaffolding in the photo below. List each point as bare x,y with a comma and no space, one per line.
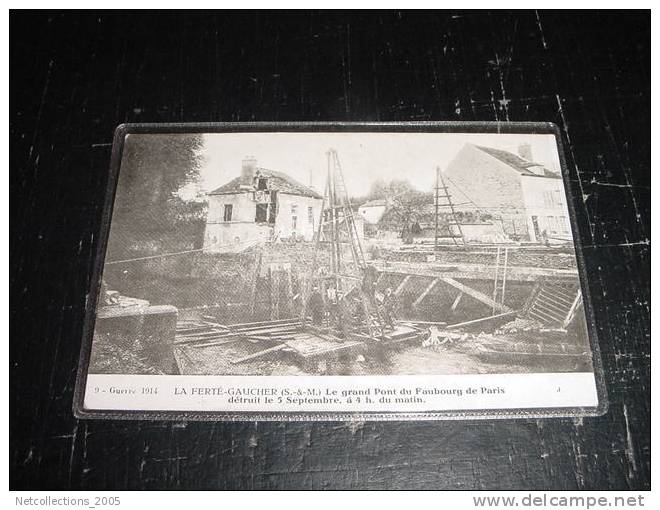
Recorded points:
337,231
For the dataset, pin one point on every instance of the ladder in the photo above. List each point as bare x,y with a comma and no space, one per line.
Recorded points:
337,227
347,215
446,197
499,283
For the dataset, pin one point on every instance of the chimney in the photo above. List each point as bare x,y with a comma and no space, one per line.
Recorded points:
248,167
525,151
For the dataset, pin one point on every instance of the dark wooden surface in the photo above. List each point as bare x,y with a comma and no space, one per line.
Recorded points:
74,77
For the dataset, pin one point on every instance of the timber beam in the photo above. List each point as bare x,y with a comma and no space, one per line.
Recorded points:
428,289
479,296
399,289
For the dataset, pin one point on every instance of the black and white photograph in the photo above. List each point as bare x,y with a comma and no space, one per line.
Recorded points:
329,248
340,254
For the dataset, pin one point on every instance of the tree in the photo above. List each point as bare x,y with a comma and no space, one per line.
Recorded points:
147,210
381,189
377,190
406,210
400,188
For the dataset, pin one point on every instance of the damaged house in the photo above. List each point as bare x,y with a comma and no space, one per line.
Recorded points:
259,205
528,198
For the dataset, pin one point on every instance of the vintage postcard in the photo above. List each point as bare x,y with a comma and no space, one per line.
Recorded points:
339,271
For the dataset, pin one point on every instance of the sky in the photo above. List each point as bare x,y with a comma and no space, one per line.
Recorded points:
364,157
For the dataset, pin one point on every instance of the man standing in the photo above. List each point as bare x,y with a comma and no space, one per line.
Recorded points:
388,307
317,306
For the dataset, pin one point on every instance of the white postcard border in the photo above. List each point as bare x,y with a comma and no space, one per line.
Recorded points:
340,394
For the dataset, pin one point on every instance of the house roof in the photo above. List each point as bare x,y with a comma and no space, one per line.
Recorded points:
380,202
517,163
276,181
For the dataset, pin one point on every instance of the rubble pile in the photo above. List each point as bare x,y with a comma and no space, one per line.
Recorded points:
110,357
520,324
513,340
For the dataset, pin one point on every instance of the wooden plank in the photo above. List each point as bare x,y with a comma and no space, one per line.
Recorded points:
308,346
482,320
264,338
216,325
201,334
399,289
198,340
335,348
264,323
560,304
456,302
258,354
479,296
265,327
221,339
184,331
406,338
207,335
267,331
571,313
536,316
425,323
544,316
224,341
551,309
428,289
531,298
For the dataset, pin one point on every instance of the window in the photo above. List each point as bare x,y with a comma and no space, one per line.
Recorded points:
294,209
229,209
310,215
262,183
261,215
294,222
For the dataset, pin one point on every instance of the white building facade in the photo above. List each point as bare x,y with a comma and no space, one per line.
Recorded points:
528,199
260,205
373,210
546,211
